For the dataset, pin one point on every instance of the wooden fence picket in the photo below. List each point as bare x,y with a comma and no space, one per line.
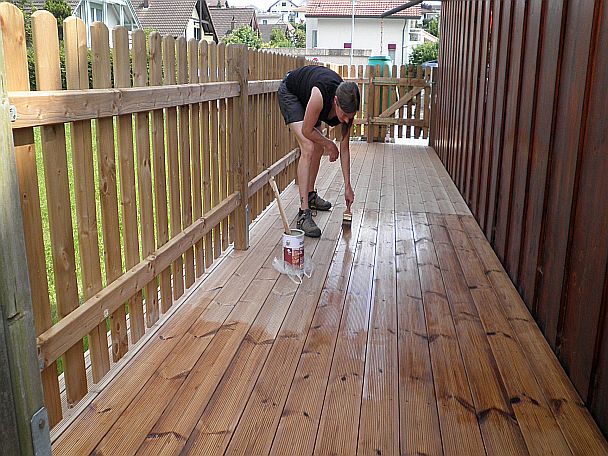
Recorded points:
160,173
173,163
195,152
184,156
144,171
223,149
106,161
215,162
46,53
122,78
206,152
77,77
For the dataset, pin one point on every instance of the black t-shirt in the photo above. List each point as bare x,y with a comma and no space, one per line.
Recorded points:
301,81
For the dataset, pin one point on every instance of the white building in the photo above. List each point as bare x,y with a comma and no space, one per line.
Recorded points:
286,8
266,18
328,26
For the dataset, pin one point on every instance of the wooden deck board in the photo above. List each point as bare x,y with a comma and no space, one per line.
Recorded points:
408,339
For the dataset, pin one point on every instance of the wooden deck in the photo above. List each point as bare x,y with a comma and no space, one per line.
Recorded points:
408,339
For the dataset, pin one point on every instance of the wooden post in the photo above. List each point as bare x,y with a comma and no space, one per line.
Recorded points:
238,61
17,335
371,71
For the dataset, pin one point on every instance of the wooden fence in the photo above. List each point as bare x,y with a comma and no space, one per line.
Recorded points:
146,178
398,105
520,125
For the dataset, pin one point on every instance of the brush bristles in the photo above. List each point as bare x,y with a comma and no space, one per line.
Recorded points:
347,219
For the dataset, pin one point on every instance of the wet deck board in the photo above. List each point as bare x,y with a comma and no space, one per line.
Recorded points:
408,339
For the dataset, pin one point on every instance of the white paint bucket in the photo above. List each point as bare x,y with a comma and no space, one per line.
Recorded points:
293,249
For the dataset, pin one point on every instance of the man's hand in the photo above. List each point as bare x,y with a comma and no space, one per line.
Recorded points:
349,197
332,150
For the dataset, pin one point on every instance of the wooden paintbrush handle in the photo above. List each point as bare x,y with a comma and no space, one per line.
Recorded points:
275,189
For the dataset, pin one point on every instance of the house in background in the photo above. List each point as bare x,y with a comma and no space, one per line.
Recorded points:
110,12
187,18
300,14
286,8
430,11
328,26
227,19
266,18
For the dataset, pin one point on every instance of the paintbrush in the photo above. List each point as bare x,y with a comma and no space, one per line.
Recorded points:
347,217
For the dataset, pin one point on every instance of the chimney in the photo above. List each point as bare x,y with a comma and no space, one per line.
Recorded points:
232,23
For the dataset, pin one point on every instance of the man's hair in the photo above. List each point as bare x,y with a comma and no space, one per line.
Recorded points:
349,98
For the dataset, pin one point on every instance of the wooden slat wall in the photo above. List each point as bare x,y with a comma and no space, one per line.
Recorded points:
518,123
154,190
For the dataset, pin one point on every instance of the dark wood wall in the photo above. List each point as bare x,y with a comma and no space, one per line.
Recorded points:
521,123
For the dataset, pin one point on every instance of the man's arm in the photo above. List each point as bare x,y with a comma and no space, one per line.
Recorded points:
311,117
349,194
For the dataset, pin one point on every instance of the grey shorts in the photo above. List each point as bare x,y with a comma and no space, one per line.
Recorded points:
291,108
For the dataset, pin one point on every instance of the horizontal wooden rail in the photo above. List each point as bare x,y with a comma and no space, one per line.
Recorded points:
68,331
263,178
61,106
395,121
260,87
401,82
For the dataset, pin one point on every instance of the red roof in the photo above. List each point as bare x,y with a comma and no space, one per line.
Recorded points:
363,8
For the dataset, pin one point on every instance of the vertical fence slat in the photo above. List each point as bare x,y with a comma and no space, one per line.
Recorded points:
173,163
11,21
46,46
77,77
184,156
144,172
160,173
223,149
122,78
206,152
215,172
195,152
106,159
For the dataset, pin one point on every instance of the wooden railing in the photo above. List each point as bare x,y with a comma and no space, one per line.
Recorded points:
395,105
145,179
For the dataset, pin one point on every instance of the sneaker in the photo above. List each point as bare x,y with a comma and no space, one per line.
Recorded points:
317,203
307,224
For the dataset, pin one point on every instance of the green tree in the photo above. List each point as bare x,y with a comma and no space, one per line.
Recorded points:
278,39
298,36
424,52
431,26
60,9
243,35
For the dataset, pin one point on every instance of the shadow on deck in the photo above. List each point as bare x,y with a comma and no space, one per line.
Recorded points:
408,339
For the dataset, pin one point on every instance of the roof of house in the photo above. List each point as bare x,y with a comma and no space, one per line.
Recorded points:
279,1
225,19
266,30
363,8
168,17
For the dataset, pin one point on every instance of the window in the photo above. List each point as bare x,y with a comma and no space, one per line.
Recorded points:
264,21
392,47
96,13
414,36
314,38
347,45
197,30
284,4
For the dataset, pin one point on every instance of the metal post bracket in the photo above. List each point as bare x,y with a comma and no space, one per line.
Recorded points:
41,439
